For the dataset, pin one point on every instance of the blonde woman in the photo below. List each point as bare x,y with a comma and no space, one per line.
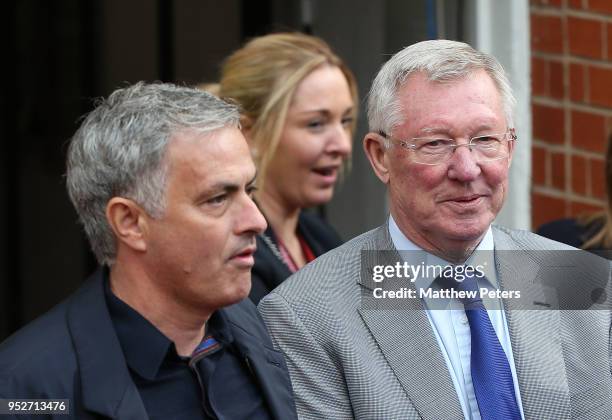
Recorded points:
299,104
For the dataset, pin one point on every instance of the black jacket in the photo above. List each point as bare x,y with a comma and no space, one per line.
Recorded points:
270,271
73,352
568,231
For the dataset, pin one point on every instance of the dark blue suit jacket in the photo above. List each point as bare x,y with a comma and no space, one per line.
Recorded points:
73,352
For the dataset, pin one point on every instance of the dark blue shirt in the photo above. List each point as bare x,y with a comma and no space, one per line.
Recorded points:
218,384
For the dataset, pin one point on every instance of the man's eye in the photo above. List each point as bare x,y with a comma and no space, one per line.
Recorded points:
486,142
217,200
251,190
434,144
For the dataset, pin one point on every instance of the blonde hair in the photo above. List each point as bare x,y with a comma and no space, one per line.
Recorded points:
262,77
212,88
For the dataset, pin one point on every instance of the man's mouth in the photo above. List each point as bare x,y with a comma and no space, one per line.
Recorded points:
471,202
244,258
466,198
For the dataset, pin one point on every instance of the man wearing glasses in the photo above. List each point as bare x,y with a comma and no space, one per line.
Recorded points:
359,345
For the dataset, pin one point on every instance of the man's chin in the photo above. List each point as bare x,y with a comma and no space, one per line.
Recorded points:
234,292
466,231
242,289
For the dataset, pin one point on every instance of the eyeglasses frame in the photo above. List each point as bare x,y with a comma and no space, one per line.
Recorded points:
406,145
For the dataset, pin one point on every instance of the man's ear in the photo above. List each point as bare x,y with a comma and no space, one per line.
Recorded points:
377,153
510,152
129,222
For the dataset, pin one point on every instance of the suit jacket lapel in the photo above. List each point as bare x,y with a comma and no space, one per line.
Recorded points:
105,380
534,334
406,339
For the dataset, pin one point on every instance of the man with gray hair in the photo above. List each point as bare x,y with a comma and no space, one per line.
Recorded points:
162,180
423,317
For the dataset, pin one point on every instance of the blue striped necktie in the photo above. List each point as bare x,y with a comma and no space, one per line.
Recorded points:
491,374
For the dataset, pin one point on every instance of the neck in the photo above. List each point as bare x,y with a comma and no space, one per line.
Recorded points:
449,249
182,324
281,216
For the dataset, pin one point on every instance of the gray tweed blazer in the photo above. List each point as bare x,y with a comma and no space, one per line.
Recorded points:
346,361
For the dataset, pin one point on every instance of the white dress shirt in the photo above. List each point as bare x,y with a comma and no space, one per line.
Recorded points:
450,324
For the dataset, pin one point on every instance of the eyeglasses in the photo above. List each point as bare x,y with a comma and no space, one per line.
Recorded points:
435,151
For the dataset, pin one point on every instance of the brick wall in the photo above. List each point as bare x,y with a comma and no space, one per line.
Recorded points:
571,76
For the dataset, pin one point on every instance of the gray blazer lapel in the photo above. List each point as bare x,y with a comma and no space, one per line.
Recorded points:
407,341
534,335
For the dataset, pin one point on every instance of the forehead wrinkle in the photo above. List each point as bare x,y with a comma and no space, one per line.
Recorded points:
433,130
474,127
231,181
194,160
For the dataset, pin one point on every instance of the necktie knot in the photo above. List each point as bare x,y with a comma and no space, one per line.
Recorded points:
467,285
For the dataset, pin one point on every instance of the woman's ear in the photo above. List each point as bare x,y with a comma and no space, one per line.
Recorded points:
377,153
246,124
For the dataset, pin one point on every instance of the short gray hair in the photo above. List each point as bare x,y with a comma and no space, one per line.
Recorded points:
119,150
442,61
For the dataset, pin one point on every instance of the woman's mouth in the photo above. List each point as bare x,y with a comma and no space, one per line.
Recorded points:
327,174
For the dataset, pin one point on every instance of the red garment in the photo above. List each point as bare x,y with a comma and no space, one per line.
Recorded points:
308,254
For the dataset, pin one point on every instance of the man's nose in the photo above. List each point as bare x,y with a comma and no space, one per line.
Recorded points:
250,218
463,165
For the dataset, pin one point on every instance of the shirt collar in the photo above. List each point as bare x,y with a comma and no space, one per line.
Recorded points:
482,255
143,345
219,327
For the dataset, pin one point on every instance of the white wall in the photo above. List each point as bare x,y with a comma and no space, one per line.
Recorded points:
502,29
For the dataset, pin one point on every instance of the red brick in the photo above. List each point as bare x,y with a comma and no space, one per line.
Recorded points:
556,79
558,171
546,34
538,165
539,76
609,29
575,4
601,6
584,37
576,82
579,175
598,178
589,131
548,124
545,209
600,86
578,208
